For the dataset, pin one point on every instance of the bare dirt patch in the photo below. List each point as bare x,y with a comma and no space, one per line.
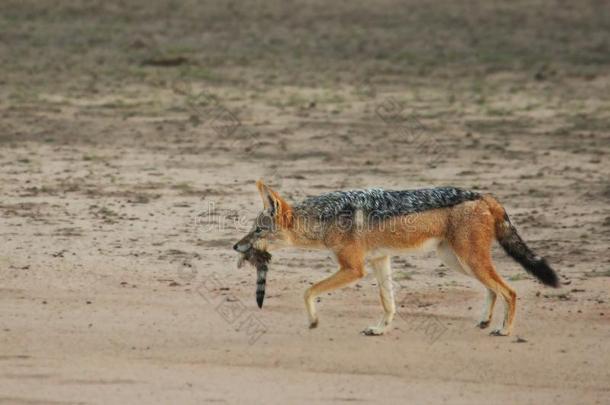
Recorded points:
131,135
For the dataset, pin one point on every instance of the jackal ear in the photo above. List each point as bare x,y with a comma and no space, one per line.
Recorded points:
266,195
280,209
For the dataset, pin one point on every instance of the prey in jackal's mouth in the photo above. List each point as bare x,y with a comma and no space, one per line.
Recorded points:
366,227
259,259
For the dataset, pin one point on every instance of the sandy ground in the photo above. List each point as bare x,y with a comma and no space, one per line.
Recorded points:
130,140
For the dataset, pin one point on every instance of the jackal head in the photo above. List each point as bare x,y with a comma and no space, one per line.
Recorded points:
271,228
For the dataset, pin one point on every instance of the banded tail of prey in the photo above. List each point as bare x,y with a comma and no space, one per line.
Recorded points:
261,281
260,260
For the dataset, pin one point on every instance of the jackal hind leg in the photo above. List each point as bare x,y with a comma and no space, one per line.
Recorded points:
452,261
488,309
484,270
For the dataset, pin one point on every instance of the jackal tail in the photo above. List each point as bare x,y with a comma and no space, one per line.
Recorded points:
515,247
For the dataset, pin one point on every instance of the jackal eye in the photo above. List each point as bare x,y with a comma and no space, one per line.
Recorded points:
258,230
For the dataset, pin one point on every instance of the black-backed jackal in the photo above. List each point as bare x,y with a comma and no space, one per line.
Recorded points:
363,226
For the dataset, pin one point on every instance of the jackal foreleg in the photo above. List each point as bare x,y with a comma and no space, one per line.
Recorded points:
383,274
350,270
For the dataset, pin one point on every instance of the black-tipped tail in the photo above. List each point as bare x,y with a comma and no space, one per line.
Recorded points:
516,248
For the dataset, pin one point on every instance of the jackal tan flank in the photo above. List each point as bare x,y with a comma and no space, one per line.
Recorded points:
368,226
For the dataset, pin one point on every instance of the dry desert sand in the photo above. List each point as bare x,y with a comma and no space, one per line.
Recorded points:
130,139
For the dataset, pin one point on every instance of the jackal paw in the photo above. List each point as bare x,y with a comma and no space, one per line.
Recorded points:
483,324
373,331
498,332
313,324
